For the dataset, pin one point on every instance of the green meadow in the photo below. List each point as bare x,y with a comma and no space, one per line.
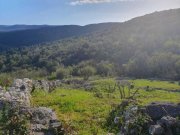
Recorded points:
84,112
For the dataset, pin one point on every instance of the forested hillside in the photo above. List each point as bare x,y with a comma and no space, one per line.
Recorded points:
28,37
144,47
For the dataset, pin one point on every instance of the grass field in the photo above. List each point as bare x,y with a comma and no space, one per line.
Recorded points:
85,112
171,85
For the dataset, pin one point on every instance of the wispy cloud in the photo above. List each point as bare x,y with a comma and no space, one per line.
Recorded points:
81,2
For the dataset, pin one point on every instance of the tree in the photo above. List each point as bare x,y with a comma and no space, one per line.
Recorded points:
62,73
105,68
87,71
51,66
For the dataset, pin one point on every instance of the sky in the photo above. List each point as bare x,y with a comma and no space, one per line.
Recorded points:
78,12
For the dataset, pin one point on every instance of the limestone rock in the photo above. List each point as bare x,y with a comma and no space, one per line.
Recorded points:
44,120
47,86
165,126
167,121
41,85
156,130
1,88
42,115
158,110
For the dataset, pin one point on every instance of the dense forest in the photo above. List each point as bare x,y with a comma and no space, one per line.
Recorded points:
144,47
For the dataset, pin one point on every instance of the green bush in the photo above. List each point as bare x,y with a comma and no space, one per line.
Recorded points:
137,120
13,121
5,81
62,73
105,68
98,94
179,83
87,71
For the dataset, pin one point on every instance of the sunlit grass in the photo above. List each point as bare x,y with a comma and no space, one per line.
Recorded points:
78,108
157,84
85,114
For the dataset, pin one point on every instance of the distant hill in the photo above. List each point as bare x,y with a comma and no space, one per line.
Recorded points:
146,46
8,28
40,34
164,24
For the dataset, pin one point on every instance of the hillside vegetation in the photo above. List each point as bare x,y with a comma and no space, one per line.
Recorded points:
144,47
99,79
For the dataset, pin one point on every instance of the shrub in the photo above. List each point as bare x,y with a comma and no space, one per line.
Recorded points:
13,121
98,95
5,81
87,71
128,118
62,73
105,68
172,82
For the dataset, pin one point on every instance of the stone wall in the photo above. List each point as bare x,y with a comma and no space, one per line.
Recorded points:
43,120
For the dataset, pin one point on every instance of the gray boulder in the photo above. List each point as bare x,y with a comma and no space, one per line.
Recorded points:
44,121
157,110
1,88
165,126
42,115
23,84
41,85
167,121
47,86
156,130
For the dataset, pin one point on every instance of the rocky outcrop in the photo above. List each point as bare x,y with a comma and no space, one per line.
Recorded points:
19,92
155,118
47,86
43,120
158,110
135,122
165,117
76,83
167,125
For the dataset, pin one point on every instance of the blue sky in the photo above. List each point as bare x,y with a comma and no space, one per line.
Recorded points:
80,12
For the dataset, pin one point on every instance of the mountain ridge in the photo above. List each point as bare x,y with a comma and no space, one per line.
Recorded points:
162,22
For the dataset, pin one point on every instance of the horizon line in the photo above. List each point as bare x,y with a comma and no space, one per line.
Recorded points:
90,23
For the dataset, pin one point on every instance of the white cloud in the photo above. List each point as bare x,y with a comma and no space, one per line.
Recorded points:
81,2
